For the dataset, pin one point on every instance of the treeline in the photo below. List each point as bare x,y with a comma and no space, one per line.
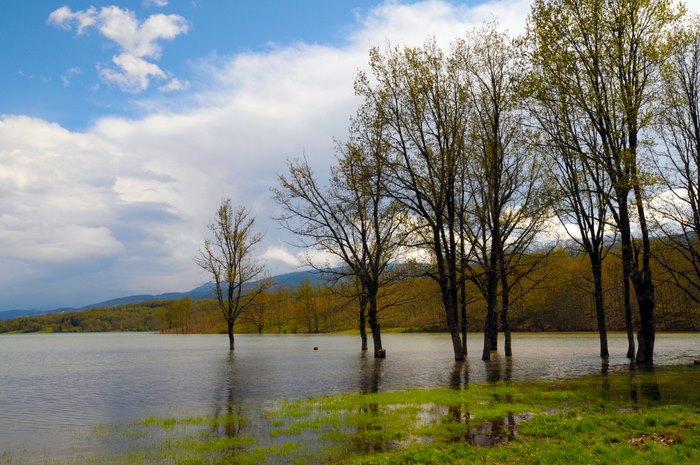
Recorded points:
135,317
557,297
561,300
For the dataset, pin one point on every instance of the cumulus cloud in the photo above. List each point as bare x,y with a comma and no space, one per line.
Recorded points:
123,207
137,40
133,75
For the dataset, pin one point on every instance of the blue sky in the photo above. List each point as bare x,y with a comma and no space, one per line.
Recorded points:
53,72
124,123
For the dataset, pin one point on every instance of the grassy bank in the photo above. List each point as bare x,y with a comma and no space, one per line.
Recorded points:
624,418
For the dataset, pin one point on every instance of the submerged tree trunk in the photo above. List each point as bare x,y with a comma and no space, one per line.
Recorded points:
449,297
599,304
452,326
646,335
644,287
491,323
374,326
628,312
463,304
505,304
363,326
230,336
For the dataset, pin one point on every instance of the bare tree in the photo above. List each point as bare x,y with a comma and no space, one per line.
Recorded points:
678,207
606,56
580,188
506,208
352,218
227,256
257,315
419,94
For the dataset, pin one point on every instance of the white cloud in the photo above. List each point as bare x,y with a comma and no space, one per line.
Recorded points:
64,17
280,255
174,85
133,75
122,208
157,3
70,73
137,40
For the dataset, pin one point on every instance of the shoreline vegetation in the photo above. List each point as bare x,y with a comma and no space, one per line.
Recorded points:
565,304
640,416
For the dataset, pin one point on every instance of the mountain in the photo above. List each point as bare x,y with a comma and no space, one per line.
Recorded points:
9,314
205,291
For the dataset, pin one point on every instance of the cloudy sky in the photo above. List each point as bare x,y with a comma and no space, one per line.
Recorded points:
123,123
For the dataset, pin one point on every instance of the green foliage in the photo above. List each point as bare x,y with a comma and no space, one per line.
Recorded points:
135,317
563,302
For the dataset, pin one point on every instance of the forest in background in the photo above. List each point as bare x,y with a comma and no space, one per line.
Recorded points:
560,299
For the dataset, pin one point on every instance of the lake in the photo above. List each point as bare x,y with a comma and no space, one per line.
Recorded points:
56,388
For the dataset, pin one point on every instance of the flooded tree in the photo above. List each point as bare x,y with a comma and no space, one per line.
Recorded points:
580,188
419,94
606,56
227,257
678,208
352,218
506,208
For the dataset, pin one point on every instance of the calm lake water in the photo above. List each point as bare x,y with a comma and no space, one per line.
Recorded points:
56,388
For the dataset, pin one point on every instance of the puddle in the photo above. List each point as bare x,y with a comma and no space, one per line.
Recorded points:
483,433
486,433
491,433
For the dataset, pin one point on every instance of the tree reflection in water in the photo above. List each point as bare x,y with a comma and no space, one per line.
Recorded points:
459,377
643,384
499,370
370,379
228,418
370,373
641,379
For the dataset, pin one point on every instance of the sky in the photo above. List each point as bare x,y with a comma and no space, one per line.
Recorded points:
124,123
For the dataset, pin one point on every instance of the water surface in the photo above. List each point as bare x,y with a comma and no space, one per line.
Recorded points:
55,388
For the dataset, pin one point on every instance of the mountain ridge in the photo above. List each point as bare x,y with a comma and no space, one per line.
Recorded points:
205,291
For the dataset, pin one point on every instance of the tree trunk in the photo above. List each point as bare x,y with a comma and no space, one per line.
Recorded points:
505,304
646,335
374,325
627,255
628,311
644,287
599,307
452,325
506,332
446,294
230,336
463,304
491,323
363,327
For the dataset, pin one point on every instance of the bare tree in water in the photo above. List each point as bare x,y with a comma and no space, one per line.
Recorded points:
227,256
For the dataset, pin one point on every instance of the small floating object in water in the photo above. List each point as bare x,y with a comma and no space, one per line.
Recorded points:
315,348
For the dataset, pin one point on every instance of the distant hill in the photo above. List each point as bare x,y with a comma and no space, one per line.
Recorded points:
205,291
9,314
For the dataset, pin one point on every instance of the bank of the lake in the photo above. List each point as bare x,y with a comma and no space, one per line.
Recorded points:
101,395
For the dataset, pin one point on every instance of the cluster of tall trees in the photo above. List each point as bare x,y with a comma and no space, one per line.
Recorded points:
474,150
457,162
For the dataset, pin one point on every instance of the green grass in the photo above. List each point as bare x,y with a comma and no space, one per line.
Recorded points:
629,418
